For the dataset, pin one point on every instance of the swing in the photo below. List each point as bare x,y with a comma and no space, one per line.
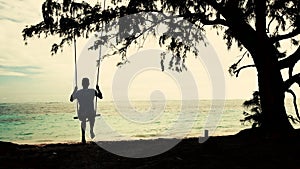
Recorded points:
76,79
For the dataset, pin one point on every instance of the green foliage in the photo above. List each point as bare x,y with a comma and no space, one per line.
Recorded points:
254,117
68,18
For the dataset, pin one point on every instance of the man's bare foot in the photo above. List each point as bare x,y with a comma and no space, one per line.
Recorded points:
92,134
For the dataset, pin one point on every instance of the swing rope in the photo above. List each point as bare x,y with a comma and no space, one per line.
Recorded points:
75,63
99,63
98,72
75,60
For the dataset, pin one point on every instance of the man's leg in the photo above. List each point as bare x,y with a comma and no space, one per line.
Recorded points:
83,126
92,123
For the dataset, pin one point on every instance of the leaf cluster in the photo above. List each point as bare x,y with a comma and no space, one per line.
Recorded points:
255,114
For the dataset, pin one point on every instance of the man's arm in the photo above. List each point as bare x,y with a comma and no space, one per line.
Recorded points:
98,92
72,95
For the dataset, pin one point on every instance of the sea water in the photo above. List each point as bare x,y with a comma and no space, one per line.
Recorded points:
34,123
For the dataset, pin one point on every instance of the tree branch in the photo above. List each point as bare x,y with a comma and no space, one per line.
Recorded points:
214,22
268,29
285,36
290,60
289,82
236,72
294,120
294,102
193,17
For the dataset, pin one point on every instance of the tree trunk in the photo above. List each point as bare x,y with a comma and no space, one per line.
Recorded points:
270,80
264,55
271,92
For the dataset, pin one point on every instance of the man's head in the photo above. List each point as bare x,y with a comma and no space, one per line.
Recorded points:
85,83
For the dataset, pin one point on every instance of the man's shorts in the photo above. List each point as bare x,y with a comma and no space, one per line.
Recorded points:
82,116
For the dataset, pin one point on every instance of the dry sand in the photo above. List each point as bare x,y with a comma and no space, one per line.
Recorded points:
237,151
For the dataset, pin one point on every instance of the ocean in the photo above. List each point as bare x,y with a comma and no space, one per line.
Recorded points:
52,122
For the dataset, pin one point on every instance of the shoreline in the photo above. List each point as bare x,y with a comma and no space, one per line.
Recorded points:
93,141
43,142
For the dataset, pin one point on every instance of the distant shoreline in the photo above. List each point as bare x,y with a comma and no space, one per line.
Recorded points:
110,101
103,101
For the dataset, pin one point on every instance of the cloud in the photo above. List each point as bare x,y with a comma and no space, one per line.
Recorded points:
8,73
10,19
18,70
19,11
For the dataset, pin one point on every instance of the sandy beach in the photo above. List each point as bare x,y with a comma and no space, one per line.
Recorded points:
235,151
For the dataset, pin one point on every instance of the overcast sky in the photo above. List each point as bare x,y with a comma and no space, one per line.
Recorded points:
29,73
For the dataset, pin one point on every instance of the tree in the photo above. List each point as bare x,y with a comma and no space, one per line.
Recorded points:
257,26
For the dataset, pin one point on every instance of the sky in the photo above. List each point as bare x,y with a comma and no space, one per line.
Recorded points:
29,73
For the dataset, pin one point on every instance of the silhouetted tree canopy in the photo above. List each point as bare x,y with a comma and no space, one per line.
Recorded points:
257,27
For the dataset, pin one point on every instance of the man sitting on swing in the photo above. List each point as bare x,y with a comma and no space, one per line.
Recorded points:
86,110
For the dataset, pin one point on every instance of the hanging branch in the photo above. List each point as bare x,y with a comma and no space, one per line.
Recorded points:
236,72
233,69
294,102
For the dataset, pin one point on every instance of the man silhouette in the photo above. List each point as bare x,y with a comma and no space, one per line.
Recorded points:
86,110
